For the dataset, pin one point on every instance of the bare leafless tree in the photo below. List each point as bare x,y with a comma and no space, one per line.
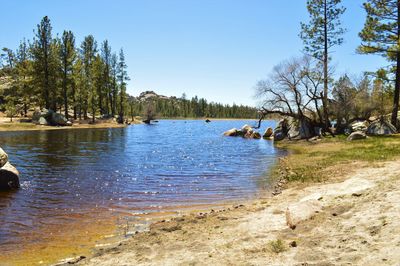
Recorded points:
294,89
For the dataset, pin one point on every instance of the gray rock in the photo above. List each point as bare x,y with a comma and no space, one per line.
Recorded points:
301,130
42,121
9,177
281,131
381,127
359,126
357,136
3,157
57,119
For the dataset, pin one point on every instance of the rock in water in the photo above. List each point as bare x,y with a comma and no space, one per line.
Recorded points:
3,157
256,135
246,129
9,177
356,136
232,132
381,128
268,133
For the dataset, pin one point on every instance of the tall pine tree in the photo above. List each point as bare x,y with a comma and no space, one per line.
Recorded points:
323,31
381,35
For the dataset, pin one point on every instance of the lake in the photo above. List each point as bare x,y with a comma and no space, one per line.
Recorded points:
76,185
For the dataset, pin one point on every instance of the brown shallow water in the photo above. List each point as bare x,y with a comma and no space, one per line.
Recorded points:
79,187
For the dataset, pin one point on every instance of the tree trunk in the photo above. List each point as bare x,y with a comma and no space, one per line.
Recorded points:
65,94
397,85
325,96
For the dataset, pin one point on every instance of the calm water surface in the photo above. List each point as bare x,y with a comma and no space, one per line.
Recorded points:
78,176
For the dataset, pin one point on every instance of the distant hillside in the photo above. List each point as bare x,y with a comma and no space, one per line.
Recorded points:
174,107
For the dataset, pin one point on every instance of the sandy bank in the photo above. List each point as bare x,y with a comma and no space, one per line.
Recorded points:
6,125
357,225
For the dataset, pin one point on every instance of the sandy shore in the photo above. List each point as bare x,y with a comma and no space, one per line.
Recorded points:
16,125
358,225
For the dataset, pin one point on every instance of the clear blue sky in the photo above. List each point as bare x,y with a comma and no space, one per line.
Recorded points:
216,49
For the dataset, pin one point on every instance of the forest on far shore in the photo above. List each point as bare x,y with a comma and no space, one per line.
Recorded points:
86,81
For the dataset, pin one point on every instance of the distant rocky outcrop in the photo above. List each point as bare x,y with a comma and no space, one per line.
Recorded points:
147,95
9,175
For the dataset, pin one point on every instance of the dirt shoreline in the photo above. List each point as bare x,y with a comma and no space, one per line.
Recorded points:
357,225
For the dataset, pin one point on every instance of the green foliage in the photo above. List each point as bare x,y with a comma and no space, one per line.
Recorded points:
324,29
184,108
381,35
44,52
67,57
122,76
277,246
380,32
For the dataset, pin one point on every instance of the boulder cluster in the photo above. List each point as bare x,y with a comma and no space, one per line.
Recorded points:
49,118
360,129
9,175
249,133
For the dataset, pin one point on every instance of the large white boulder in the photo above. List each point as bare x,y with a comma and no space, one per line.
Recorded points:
301,211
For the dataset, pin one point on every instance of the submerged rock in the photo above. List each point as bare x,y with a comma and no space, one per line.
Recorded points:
357,136
9,177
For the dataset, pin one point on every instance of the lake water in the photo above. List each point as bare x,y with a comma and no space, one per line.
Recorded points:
75,181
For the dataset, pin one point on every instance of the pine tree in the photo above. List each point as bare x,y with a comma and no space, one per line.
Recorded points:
122,79
381,35
88,50
323,31
106,57
67,58
23,72
44,66
114,85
